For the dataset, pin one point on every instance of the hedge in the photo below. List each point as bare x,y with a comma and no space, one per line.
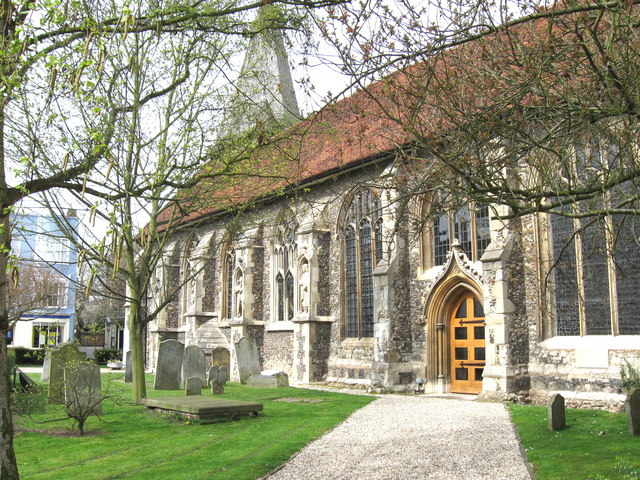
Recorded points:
105,355
11,362
28,356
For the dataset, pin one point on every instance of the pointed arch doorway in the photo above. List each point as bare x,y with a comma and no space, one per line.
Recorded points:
467,345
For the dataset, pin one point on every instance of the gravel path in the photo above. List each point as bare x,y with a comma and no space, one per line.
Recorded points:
402,437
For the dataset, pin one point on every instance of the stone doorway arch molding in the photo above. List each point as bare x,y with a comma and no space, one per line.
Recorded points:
457,277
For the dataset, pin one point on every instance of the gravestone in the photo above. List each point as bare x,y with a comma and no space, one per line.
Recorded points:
632,406
220,356
46,367
193,386
169,365
247,358
82,388
217,378
193,364
277,380
128,368
555,413
59,358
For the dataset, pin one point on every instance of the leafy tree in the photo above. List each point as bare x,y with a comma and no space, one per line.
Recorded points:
533,107
58,122
33,288
103,297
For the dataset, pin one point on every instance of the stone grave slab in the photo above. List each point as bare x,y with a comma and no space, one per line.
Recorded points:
193,364
220,356
193,386
83,388
556,413
128,368
202,407
169,365
218,376
60,357
632,407
46,367
247,358
280,379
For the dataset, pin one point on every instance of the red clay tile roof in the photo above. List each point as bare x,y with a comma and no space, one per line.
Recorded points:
476,81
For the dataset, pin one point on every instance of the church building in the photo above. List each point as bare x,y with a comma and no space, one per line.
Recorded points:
339,275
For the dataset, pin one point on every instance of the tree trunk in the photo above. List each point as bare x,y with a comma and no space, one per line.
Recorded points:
136,341
8,465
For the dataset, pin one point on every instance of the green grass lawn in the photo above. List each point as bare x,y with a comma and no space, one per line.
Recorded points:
134,443
595,444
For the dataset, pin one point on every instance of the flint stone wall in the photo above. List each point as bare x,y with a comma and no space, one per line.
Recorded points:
278,351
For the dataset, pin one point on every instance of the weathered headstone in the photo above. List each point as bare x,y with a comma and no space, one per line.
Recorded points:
46,367
128,368
169,365
632,406
193,386
217,378
247,358
220,356
59,358
82,388
277,380
556,413
193,364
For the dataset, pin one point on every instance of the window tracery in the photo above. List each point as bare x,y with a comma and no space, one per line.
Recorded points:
228,282
595,259
469,225
285,251
362,250
189,278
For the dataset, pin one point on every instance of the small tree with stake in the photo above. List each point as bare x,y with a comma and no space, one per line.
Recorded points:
82,392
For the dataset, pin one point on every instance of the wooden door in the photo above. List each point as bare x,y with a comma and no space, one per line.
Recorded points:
467,344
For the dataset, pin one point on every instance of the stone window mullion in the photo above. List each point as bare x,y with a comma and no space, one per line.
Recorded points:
580,277
362,245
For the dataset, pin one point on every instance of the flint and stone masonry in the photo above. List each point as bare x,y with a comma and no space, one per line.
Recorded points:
348,280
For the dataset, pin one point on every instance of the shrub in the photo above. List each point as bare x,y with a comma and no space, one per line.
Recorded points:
27,356
105,355
630,376
27,402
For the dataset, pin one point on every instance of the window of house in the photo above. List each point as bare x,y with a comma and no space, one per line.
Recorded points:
46,334
51,249
470,226
596,259
363,249
284,260
55,295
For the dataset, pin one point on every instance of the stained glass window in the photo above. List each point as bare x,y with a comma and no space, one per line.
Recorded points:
468,225
284,261
596,272
363,250
228,284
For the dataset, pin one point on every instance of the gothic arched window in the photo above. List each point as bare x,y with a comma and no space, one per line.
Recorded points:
470,226
189,278
284,260
363,249
228,269
596,266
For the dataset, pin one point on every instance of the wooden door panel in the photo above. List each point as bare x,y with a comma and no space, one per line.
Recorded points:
467,346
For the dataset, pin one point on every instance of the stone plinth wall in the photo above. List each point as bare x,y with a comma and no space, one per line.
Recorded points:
278,351
320,352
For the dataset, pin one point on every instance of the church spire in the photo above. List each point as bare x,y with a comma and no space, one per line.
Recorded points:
264,90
